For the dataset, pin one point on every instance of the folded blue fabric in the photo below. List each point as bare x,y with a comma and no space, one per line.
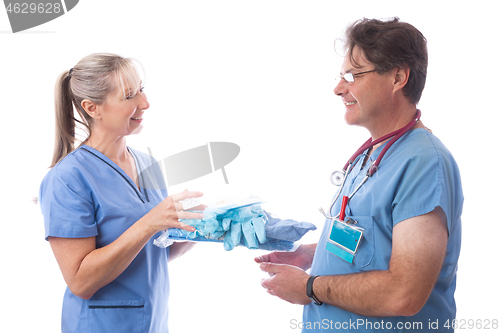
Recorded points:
289,230
248,226
172,235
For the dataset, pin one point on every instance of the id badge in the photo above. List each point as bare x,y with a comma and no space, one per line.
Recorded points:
344,240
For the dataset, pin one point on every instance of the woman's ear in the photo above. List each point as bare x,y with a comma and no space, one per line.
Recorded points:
91,108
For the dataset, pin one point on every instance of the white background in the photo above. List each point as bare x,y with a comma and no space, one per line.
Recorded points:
259,74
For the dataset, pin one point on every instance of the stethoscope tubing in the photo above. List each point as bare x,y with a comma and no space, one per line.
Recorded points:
374,166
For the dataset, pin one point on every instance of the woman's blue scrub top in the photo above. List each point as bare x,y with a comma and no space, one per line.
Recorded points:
88,195
416,175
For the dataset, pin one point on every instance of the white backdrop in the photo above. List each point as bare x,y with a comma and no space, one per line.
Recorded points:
259,74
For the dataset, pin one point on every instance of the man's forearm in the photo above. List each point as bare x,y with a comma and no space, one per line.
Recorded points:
374,294
419,247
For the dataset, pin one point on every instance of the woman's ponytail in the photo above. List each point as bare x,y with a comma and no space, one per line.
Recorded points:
65,121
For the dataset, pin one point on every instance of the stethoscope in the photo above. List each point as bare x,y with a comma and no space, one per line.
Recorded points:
338,178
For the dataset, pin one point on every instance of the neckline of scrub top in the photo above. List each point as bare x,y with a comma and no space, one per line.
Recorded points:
379,149
119,170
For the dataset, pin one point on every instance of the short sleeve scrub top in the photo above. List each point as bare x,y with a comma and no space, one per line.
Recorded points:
86,195
417,174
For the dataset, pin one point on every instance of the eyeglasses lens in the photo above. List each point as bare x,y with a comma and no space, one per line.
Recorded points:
349,77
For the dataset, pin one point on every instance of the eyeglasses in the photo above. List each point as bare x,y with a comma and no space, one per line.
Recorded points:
349,77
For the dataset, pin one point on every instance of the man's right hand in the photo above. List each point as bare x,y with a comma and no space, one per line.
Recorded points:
302,257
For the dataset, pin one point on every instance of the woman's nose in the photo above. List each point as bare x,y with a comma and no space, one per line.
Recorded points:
144,104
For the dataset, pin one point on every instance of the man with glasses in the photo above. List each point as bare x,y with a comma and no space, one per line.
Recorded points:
402,274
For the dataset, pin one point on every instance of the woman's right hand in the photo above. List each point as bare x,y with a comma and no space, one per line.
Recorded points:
167,213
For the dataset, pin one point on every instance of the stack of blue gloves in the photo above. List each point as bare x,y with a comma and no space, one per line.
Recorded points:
248,226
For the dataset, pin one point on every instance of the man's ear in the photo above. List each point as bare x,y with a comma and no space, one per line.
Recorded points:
401,76
91,108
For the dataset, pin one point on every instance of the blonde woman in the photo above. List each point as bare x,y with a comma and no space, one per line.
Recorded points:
100,216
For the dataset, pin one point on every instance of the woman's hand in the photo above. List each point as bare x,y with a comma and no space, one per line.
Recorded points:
167,213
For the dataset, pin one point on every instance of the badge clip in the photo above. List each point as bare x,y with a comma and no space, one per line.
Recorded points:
344,238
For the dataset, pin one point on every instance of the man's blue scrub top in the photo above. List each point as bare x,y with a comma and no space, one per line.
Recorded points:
416,175
86,195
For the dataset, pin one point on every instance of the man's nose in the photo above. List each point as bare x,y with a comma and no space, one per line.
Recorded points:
341,88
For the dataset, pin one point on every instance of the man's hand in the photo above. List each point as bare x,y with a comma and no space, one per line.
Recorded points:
301,258
286,282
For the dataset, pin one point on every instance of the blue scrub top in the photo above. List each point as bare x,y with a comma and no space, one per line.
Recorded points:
87,195
416,175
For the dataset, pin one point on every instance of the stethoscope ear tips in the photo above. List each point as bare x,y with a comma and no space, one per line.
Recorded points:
322,211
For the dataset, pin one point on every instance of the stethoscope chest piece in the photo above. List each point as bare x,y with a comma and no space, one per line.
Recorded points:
337,177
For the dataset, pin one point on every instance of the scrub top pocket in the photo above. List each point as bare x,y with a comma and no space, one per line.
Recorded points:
116,316
366,248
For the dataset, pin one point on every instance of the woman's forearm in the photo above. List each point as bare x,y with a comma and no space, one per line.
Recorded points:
98,267
87,269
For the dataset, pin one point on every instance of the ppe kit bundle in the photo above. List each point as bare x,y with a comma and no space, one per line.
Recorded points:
239,222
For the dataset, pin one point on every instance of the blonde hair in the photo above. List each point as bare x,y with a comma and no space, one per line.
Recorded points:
94,78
